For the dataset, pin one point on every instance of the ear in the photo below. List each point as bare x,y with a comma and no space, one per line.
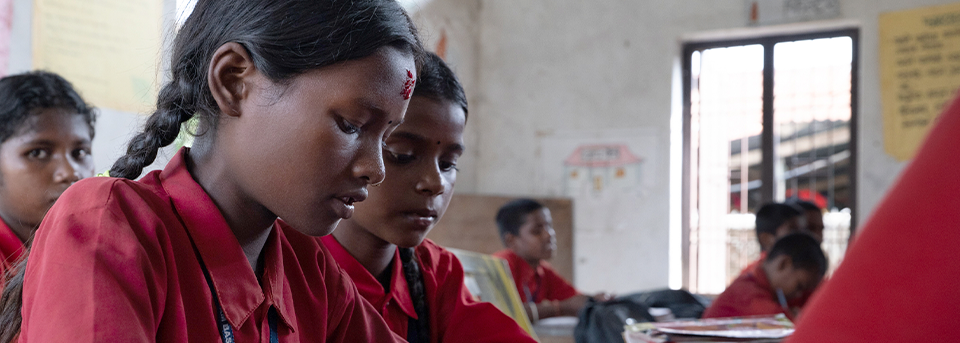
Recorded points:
784,263
766,240
508,239
229,76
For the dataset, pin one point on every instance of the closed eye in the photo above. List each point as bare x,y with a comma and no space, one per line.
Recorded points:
347,127
400,158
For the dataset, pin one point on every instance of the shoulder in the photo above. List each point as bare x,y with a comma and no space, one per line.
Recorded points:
744,290
94,205
105,192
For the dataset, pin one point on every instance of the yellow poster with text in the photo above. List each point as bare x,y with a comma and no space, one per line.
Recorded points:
109,49
919,73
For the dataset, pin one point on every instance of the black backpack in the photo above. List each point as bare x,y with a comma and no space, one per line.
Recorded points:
603,322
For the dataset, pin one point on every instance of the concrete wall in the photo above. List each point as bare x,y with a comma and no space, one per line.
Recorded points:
541,67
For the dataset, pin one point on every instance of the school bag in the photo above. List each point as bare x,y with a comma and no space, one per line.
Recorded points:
602,322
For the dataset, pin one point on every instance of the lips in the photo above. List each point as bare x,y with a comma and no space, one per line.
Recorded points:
346,200
421,219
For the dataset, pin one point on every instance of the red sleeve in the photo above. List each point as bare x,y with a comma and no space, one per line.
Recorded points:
743,298
555,287
95,273
458,317
899,279
354,320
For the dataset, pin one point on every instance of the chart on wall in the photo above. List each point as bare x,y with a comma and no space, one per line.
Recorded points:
919,73
607,173
109,49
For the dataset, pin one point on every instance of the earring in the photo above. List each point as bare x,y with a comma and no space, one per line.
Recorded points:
377,184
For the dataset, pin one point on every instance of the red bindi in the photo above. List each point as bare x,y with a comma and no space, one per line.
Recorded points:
408,85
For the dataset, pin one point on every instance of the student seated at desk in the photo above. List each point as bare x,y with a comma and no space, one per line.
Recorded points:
415,284
795,265
526,229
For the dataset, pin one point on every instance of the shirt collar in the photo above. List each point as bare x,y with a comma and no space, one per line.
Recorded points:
367,284
237,288
761,276
10,245
524,271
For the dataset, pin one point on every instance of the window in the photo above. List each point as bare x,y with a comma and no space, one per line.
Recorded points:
765,119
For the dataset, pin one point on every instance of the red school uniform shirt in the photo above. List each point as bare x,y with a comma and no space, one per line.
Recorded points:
798,302
11,248
117,261
748,295
536,285
455,315
899,279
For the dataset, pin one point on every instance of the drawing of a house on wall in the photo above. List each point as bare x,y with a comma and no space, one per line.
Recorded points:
595,168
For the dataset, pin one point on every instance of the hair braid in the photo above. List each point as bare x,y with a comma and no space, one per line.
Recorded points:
411,272
11,300
175,105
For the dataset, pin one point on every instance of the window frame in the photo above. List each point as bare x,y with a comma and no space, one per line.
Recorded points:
768,145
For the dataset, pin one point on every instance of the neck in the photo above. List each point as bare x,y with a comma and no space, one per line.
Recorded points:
533,263
249,221
22,230
373,253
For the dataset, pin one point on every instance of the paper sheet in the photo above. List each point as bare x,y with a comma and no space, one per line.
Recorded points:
109,49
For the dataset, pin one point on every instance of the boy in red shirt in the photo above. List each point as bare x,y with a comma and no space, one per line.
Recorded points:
415,284
526,229
795,265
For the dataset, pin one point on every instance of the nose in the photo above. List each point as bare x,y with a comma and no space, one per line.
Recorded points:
431,183
369,163
67,171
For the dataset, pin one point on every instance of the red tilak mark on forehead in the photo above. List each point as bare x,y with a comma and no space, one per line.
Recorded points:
408,85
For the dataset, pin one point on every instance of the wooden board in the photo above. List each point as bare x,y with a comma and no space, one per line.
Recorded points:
470,224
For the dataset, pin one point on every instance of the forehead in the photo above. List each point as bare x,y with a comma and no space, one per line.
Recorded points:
59,123
436,120
541,216
377,79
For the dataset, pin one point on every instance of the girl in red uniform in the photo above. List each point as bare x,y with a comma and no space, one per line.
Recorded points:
415,284
46,130
294,100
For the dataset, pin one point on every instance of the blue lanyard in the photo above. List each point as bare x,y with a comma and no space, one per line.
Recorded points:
226,331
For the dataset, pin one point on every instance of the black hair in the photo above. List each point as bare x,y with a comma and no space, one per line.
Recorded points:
803,250
411,273
27,94
22,96
438,82
771,216
284,39
804,205
512,215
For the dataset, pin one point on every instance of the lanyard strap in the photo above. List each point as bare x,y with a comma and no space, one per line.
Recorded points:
226,331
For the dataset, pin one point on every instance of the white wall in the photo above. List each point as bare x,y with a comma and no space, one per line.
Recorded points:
556,65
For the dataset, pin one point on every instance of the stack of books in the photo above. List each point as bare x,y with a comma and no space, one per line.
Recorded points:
741,329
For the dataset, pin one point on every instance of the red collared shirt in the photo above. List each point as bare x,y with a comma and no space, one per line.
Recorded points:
117,261
748,295
899,279
10,247
455,316
541,284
